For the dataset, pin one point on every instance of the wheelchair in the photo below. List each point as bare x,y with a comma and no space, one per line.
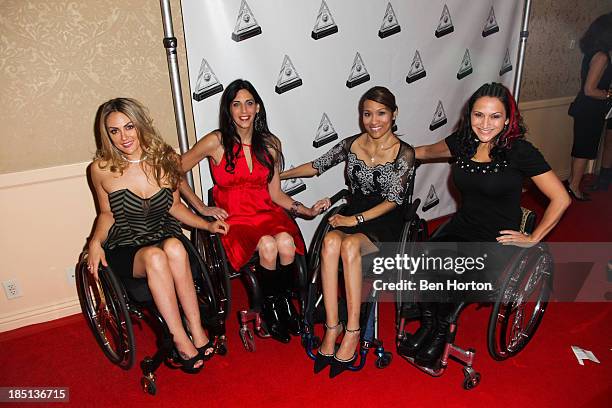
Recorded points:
211,250
414,229
110,303
518,305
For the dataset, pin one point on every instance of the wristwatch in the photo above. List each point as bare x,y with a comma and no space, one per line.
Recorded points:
360,219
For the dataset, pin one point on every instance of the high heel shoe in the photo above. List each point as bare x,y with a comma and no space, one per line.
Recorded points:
338,366
322,360
582,197
208,346
187,365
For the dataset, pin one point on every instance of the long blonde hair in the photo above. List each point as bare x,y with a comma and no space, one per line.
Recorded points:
162,158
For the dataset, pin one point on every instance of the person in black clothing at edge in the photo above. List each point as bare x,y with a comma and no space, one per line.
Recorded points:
492,160
591,105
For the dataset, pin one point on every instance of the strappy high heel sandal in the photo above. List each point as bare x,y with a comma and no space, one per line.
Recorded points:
187,365
338,366
322,360
210,346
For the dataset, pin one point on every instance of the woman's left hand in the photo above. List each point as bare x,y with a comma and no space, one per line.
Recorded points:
517,238
338,220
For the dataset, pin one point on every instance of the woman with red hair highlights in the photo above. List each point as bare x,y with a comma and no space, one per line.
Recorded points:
492,160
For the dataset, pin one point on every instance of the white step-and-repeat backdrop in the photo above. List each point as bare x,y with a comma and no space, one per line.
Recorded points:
312,60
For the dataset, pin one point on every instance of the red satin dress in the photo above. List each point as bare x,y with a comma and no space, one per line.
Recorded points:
251,211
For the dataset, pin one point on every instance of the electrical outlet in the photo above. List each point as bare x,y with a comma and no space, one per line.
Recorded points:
70,274
11,288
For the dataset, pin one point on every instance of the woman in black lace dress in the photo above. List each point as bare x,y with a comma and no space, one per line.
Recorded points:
378,167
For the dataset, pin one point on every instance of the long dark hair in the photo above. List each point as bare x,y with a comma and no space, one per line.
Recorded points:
598,37
263,140
515,129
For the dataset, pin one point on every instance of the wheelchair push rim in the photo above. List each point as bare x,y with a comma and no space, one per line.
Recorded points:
521,303
103,305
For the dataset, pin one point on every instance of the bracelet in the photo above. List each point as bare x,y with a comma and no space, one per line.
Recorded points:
609,94
360,219
294,208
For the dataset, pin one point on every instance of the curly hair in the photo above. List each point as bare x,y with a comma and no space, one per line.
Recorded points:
164,161
515,129
263,141
598,37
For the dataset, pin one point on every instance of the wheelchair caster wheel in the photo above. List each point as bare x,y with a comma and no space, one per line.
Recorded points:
384,360
471,378
248,341
221,349
148,385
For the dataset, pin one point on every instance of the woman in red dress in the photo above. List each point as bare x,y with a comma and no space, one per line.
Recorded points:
245,159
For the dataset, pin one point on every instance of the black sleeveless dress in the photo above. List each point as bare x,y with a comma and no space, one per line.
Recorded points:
139,222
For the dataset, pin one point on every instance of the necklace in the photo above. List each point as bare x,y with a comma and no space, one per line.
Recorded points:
380,148
134,161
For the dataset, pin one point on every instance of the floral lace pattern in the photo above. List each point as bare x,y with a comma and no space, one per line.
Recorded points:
388,180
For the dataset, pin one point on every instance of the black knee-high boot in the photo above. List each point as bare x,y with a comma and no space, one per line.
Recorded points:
430,354
289,314
272,304
423,336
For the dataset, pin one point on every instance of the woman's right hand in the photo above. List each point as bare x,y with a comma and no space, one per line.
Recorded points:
218,227
95,257
215,212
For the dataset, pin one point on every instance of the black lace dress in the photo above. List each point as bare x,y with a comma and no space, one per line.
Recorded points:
370,186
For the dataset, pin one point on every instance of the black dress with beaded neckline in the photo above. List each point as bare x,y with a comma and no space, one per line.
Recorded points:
491,191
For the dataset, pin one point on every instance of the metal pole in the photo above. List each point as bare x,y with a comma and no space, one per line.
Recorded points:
170,43
521,51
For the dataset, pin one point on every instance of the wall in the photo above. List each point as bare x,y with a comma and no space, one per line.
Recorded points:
61,59
552,68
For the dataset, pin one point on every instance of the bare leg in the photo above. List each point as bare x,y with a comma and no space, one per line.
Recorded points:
267,252
178,260
152,262
578,168
330,256
286,248
352,249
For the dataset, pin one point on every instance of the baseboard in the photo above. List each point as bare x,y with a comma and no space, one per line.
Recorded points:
39,314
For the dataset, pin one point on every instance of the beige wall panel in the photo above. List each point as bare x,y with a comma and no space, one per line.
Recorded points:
61,59
46,216
550,128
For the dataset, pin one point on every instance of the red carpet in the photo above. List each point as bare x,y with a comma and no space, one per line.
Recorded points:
545,374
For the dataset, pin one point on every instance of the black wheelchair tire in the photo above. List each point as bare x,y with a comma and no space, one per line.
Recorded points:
121,351
499,321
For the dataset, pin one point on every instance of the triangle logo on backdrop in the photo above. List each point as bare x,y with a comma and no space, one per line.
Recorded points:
325,132
359,74
466,66
445,25
389,24
431,200
288,78
439,118
507,64
207,83
246,25
325,24
490,26
417,70
293,186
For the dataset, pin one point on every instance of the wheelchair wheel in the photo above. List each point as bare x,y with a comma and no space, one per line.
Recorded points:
471,378
248,341
148,384
521,303
210,250
104,307
316,244
384,360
